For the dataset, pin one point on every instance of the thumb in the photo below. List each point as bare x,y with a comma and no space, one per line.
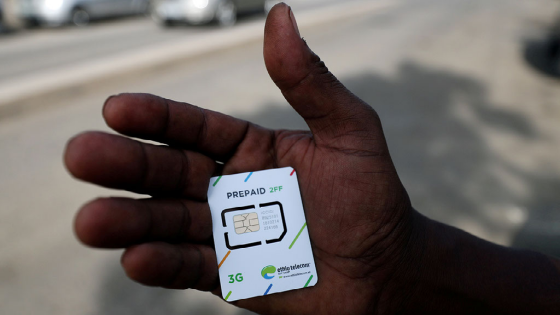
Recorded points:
331,111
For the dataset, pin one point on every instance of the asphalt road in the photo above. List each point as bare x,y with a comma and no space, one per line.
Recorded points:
35,50
473,131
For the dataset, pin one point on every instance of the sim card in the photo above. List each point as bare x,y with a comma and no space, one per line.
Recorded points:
260,234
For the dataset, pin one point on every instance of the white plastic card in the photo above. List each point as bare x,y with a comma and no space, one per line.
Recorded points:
260,234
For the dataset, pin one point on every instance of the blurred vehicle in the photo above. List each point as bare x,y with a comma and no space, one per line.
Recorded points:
224,12
554,48
1,14
78,12
543,53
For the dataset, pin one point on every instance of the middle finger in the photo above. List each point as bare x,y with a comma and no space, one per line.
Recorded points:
118,162
122,222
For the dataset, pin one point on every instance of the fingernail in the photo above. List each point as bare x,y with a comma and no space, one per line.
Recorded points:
106,102
294,23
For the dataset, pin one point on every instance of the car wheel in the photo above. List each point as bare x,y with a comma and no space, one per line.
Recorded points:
226,14
168,23
163,22
80,17
145,8
554,54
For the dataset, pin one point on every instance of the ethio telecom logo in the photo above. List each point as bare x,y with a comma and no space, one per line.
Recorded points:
268,272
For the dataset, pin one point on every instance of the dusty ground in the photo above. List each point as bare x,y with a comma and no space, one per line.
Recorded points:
473,129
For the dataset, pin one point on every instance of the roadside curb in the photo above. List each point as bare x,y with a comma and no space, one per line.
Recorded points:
59,80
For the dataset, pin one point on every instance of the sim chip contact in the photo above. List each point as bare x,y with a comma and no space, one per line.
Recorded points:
244,229
245,223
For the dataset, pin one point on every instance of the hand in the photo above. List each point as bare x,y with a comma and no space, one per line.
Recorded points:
359,216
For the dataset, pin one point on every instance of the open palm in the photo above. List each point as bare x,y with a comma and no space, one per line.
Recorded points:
358,213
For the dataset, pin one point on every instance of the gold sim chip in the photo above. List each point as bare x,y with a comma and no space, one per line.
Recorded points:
246,223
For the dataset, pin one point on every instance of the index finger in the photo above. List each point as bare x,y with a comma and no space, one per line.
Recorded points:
179,124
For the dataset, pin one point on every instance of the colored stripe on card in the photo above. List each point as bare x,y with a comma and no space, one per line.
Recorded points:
266,292
217,180
246,179
223,259
227,296
308,280
292,173
295,239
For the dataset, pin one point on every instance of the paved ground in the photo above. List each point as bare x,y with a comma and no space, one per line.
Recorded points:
472,128
77,57
28,51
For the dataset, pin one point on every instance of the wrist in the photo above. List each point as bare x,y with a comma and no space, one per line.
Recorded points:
448,271
403,285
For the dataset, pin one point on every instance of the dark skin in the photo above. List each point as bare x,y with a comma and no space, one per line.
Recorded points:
374,253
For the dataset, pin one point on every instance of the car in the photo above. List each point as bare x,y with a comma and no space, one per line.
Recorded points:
554,48
224,12
77,12
543,52
1,15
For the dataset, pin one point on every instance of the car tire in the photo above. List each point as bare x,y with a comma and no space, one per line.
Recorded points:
158,19
145,9
168,23
80,17
163,22
226,13
554,55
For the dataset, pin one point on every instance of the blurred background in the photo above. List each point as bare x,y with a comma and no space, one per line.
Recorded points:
468,92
